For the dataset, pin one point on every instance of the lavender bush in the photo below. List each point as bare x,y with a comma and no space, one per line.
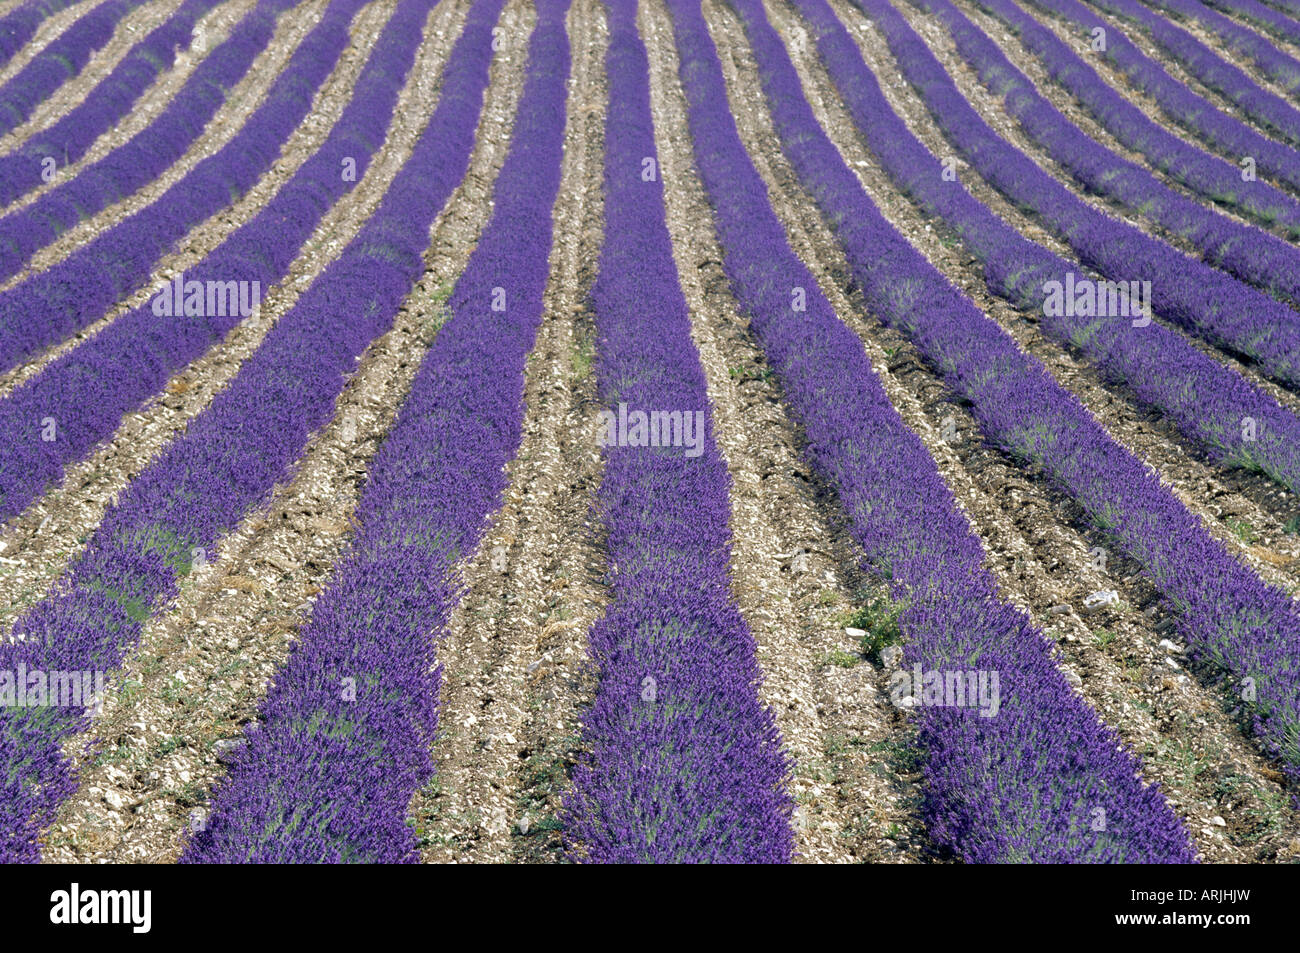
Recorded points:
1207,175
1017,786
87,390
1205,400
140,160
1195,296
342,740
64,58
1272,62
1269,111
1193,112
67,140
50,305
1226,613
19,25
682,761
248,438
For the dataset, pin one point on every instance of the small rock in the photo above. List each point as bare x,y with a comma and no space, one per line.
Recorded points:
1099,599
1217,821
226,747
1073,679
524,824
1058,610
855,633
1170,646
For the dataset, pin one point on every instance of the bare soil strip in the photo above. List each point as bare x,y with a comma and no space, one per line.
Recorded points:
241,100
130,29
1044,553
515,652
202,668
50,29
216,26
795,568
1257,508
40,542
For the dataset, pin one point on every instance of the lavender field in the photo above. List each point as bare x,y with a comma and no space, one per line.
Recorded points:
682,431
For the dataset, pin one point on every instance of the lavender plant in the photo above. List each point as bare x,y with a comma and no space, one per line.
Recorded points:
682,762
1208,176
342,741
50,305
64,58
1267,110
1160,368
19,25
1233,138
1017,786
233,453
66,141
1187,292
1226,613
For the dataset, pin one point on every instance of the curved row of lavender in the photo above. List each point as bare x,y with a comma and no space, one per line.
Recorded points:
1207,401
343,739
63,59
682,763
1289,7
49,306
1205,174
1024,783
1271,61
67,140
1222,608
146,155
1269,111
19,26
1257,14
1214,306
1243,251
231,454
86,391
1193,112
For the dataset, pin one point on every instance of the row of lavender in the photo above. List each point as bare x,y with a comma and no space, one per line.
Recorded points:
1267,19
682,762
134,163
1207,175
85,392
1208,402
342,741
1224,611
232,454
1195,296
1229,135
1241,250
1265,55
20,25
1022,785
1270,111
53,304
67,140
63,59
